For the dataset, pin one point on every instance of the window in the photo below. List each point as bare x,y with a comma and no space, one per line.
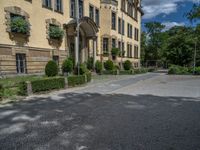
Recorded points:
123,5
136,34
80,8
56,59
91,11
130,30
129,50
123,26
119,45
21,63
136,52
97,16
47,3
119,25
113,43
73,9
113,20
58,5
105,45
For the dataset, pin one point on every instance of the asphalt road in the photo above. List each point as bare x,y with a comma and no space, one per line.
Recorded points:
145,112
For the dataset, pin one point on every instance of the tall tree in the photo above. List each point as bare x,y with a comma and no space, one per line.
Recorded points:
154,40
194,13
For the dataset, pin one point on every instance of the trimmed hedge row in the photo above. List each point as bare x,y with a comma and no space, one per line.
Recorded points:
1,92
48,84
76,80
42,85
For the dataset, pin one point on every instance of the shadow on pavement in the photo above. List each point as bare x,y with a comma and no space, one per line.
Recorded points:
88,121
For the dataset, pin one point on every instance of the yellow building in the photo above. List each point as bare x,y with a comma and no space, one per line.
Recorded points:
104,24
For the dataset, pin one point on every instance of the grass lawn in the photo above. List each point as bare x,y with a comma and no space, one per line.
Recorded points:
11,84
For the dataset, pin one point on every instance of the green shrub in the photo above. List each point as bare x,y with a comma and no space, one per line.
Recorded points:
76,80
67,66
98,67
22,88
90,63
151,69
19,25
127,65
110,72
108,65
47,84
55,32
179,70
197,70
82,69
89,76
115,51
1,92
126,72
51,69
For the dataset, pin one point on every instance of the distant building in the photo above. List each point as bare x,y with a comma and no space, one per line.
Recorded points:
104,24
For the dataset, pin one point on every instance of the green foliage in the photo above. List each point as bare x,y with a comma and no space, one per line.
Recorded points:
126,72
82,69
22,88
127,65
90,63
108,65
110,72
1,92
51,69
194,13
48,84
140,70
55,32
67,66
89,76
174,69
19,25
98,67
197,70
76,80
115,51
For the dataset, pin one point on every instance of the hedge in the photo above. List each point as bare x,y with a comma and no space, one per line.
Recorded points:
1,92
47,84
22,88
126,72
110,72
76,80
179,70
89,76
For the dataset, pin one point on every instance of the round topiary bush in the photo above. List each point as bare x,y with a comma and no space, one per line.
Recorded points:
98,67
127,65
51,69
108,65
67,66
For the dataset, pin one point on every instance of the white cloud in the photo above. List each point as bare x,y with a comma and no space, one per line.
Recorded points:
169,25
153,8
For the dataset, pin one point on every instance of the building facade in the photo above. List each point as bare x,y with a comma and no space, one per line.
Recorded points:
104,24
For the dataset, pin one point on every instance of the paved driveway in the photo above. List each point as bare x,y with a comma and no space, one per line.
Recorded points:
144,112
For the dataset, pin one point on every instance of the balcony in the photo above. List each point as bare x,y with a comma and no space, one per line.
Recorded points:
112,2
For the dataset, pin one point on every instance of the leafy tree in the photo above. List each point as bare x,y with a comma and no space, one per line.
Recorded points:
180,46
154,40
194,13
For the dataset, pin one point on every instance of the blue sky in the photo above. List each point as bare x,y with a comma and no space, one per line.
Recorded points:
168,12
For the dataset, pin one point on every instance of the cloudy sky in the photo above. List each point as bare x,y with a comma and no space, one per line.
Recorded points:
169,12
